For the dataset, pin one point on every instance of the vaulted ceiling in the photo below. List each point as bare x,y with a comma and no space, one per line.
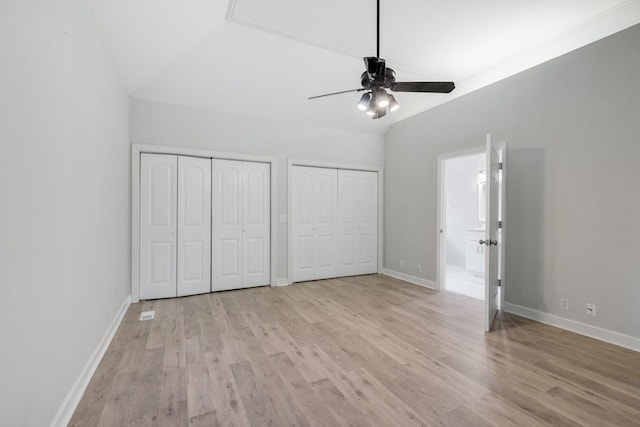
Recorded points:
266,57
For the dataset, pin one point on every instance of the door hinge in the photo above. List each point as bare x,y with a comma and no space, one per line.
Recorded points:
499,224
499,282
500,166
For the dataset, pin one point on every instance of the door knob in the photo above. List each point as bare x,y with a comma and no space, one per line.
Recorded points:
488,242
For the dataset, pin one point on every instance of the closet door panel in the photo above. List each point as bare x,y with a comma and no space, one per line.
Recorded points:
158,225
325,211
194,225
303,241
256,224
226,224
348,224
367,218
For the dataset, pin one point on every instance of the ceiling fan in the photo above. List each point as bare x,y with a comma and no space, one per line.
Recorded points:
376,102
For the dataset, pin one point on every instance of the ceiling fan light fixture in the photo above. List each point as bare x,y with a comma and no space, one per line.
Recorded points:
379,113
383,99
364,102
371,109
377,78
393,104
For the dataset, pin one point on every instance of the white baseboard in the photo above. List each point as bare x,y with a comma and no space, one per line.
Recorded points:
282,282
409,278
68,407
596,332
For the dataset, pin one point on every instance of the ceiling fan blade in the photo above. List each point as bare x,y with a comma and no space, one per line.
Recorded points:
337,93
436,87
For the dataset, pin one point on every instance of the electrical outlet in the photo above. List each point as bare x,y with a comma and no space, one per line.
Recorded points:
401,264
419,268
564,303
591,309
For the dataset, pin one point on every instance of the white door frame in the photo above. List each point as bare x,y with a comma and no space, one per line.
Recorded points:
502,146
441,216
296,162
137,149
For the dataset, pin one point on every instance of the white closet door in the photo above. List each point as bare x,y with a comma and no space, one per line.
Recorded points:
194,225
315,218
348,220
367,218
357,214
158,211
227,224
303,240
255,224
326,220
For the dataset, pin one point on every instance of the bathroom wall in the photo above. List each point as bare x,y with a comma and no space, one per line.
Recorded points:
461,198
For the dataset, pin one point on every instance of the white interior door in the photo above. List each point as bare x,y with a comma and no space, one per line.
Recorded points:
314,223
349,235
325,192
194,225
256,224
303,226
158,225
367,199
358,219
226,224
491,241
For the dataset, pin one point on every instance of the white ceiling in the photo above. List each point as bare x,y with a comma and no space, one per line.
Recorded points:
266,57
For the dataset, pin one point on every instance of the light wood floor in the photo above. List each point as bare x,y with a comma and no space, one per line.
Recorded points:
357,351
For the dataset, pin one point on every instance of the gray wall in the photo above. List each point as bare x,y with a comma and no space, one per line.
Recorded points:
166,124
64,209
573,205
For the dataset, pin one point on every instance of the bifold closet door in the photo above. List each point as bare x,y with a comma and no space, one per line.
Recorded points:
241,225
358,219
158,225
175,226
314,226
256,236
194,226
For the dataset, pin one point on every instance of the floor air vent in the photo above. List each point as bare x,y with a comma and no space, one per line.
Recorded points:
147,315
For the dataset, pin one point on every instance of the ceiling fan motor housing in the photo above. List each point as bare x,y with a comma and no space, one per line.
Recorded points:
378,75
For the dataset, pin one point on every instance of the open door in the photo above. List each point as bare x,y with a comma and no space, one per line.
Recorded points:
492,241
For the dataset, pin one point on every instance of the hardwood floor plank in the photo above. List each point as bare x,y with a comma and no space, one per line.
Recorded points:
493,407
315,410
253,398
588,411
119,400
199,385
283,407
145,408
342,407
93,402
359,351
226,397
205,420
173,402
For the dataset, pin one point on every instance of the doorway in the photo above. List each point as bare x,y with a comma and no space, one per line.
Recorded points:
463,223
